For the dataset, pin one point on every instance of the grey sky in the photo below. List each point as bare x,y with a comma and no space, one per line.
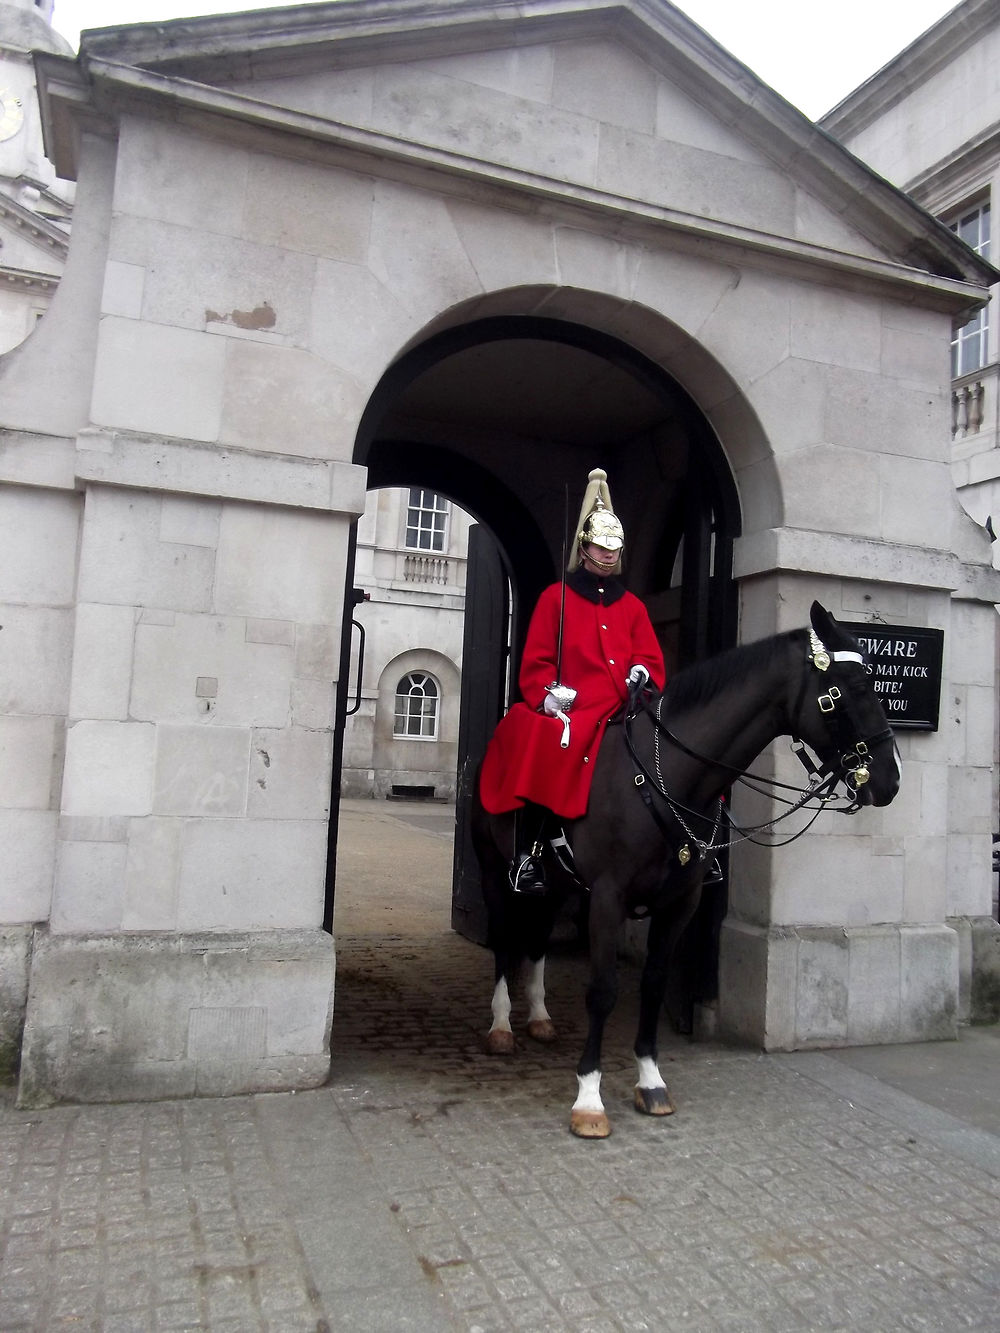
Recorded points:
811,52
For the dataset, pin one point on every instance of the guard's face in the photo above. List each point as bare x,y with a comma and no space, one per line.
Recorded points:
598,559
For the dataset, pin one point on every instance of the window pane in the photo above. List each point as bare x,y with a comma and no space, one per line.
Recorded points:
426,520
970,345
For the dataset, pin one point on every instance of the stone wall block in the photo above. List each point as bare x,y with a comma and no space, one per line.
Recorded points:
970,881
204,669
200,279
873,1015
102,662
89,889
606,82
358,325
912,511
928,983
39,534
252,875
925,885
696,181
35,662
27,853
290,774
151,377
970,803
480,123
913,350
822,987
201,771
281,564
505,249
123,289
288,400
308,209
109,768
152,866
589,260
28,750
822,471
836,328
749,330
187,520
161,175
864,410
416,252
832,879
125,561
317,649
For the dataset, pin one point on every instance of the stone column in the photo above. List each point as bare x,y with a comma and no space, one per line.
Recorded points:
184,954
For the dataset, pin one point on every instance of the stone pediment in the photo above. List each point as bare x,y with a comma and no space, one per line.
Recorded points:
627,109
31,248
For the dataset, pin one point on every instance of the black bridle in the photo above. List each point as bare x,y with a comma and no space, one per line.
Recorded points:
846,735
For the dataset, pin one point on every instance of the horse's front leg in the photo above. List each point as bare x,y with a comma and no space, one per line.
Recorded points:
588,1119
651,1094
540,1025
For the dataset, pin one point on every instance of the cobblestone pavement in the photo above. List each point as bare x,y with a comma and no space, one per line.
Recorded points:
430,1187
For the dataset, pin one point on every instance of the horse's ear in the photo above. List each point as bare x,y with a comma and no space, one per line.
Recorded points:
821,620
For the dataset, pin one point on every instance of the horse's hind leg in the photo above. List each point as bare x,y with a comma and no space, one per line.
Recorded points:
651,1094
500,1038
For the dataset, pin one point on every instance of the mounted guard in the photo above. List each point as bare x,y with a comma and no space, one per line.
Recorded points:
589,642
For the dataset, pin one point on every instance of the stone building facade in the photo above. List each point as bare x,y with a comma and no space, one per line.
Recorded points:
929,121
35,207
401,736
477,248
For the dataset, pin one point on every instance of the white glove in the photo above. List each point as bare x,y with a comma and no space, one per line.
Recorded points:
558,700
638,675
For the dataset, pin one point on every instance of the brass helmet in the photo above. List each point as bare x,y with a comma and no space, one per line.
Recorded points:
597,522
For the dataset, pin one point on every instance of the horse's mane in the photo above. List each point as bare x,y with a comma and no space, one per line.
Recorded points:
704,680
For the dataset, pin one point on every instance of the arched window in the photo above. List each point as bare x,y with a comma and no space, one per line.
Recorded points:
416,706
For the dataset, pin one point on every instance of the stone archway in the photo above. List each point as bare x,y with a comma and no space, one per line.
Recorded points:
506,414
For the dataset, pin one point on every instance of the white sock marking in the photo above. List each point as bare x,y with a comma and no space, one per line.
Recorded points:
649,1074
534,988
589,1097
501,1007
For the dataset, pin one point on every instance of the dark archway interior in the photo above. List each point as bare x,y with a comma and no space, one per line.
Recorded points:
506,417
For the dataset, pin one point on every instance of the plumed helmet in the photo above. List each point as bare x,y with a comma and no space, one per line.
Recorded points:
597,522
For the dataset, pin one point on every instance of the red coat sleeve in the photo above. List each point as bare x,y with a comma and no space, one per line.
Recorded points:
541,648
646,649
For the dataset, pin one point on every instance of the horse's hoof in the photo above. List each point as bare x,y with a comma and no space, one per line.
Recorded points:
653,1101
589,1124
500,1042
542,1029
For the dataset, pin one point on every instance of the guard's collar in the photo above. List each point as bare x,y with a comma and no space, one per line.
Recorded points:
600,589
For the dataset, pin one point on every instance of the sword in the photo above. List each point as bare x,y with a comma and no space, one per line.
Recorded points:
562,692
562,591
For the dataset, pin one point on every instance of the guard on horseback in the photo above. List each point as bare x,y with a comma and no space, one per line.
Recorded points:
589,642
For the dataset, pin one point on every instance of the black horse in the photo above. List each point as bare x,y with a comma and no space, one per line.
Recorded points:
654,818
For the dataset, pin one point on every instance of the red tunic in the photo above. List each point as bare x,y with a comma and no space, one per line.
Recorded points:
606,630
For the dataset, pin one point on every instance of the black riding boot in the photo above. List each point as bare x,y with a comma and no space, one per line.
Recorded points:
527,874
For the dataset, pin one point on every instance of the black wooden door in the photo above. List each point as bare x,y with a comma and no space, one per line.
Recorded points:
484,668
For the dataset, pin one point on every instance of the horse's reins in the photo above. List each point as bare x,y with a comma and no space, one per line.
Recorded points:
853,769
